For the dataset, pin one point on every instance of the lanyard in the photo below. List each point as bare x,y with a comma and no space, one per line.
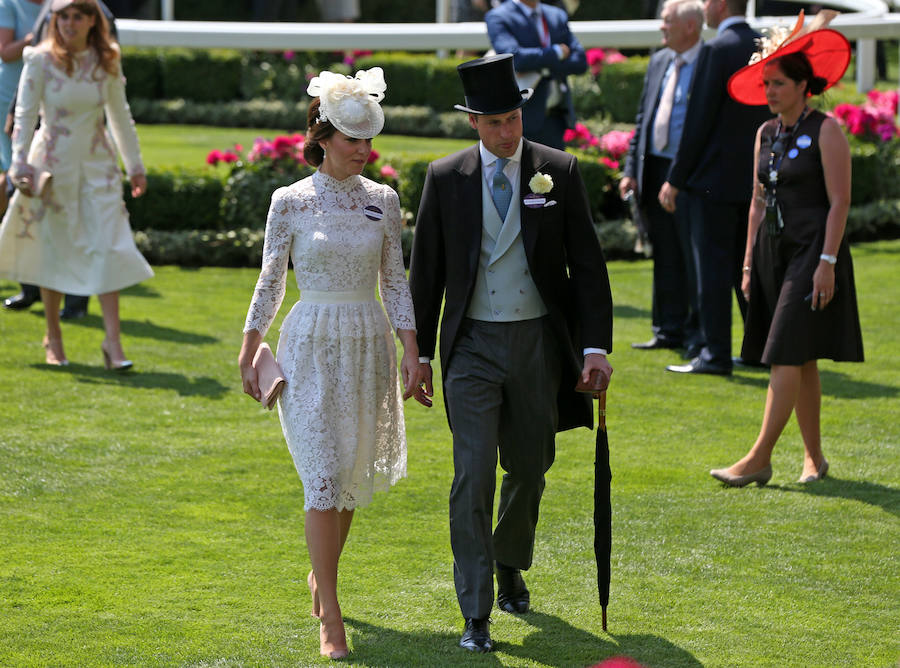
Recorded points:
780,144
780,147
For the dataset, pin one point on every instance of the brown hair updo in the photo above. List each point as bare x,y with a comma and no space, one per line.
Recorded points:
797,68
316,131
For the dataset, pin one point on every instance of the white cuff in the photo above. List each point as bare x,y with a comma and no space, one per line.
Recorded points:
424,360
595,351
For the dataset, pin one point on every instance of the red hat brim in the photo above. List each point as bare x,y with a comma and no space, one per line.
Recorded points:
828,52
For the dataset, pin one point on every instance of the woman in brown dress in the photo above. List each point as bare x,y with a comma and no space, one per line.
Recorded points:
798,275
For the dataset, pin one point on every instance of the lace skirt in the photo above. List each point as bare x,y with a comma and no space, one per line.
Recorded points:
341,411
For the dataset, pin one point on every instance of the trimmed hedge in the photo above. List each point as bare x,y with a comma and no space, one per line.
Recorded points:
268,85
200,199
616,92
276,114
196,217
178,200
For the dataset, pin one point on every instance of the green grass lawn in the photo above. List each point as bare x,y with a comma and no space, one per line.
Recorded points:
167,146
155,518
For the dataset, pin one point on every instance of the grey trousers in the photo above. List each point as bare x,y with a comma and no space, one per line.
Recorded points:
501,388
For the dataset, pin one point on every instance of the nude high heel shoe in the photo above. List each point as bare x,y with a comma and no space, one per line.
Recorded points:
54,355
761,477
820,473
114,365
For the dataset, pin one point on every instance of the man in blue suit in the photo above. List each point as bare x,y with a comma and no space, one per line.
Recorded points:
544,52
714,164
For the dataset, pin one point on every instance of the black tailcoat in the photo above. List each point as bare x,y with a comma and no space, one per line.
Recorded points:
564,259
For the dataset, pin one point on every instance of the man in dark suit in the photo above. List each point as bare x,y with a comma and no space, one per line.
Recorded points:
714,164
545,52
658,127
504,234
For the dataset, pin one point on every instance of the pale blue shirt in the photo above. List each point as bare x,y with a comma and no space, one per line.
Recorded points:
679,105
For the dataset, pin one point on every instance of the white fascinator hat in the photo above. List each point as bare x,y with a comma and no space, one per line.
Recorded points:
351,104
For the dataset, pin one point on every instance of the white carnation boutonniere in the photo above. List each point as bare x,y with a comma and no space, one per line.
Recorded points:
541,183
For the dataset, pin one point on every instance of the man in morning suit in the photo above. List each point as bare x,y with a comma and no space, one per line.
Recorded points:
714,164
504,237
658,127
544,53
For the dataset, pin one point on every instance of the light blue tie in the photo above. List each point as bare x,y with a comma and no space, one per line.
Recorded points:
501,189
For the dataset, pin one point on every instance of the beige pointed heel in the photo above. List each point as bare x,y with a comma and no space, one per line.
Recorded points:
54,352
114,365
761,477
820,473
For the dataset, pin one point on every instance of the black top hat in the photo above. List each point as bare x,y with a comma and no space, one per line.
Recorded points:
490,86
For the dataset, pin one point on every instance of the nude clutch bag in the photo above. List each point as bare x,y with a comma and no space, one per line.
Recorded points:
269,376
42,180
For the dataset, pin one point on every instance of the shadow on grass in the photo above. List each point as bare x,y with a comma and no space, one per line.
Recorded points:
381,646
839,384
143,329
141,290
872,493
626,311
834,384
183,385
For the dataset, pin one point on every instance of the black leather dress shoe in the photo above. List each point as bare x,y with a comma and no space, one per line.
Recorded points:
18,302
72,313
477,636
655,343
692,351
697,365
512,594
750,364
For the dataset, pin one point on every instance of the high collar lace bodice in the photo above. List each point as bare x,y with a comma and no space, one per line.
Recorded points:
331,184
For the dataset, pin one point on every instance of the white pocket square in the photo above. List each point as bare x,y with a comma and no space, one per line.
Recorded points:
552,202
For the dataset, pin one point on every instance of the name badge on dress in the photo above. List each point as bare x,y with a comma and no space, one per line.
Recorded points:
373,213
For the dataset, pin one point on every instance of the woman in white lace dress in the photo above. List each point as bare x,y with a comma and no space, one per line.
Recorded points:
74,236
341,410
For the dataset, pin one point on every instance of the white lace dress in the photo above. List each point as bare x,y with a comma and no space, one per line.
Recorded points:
77,238
341,411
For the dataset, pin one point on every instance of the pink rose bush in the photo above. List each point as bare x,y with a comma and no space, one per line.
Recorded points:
874,120
287,148
609,148
597,58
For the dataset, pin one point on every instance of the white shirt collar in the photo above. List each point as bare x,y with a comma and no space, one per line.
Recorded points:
690,55
730,21
488,159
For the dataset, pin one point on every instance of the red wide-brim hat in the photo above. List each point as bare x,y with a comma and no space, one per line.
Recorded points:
828,52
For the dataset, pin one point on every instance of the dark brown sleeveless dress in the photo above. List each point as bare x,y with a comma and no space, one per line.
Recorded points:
781,328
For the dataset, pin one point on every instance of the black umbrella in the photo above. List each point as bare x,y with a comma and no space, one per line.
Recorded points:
602,508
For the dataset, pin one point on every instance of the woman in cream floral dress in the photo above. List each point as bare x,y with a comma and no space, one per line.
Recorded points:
341,410
75,236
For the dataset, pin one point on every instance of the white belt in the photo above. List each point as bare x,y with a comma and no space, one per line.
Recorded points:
337,297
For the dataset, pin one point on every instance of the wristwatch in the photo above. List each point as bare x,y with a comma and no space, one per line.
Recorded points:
830,259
